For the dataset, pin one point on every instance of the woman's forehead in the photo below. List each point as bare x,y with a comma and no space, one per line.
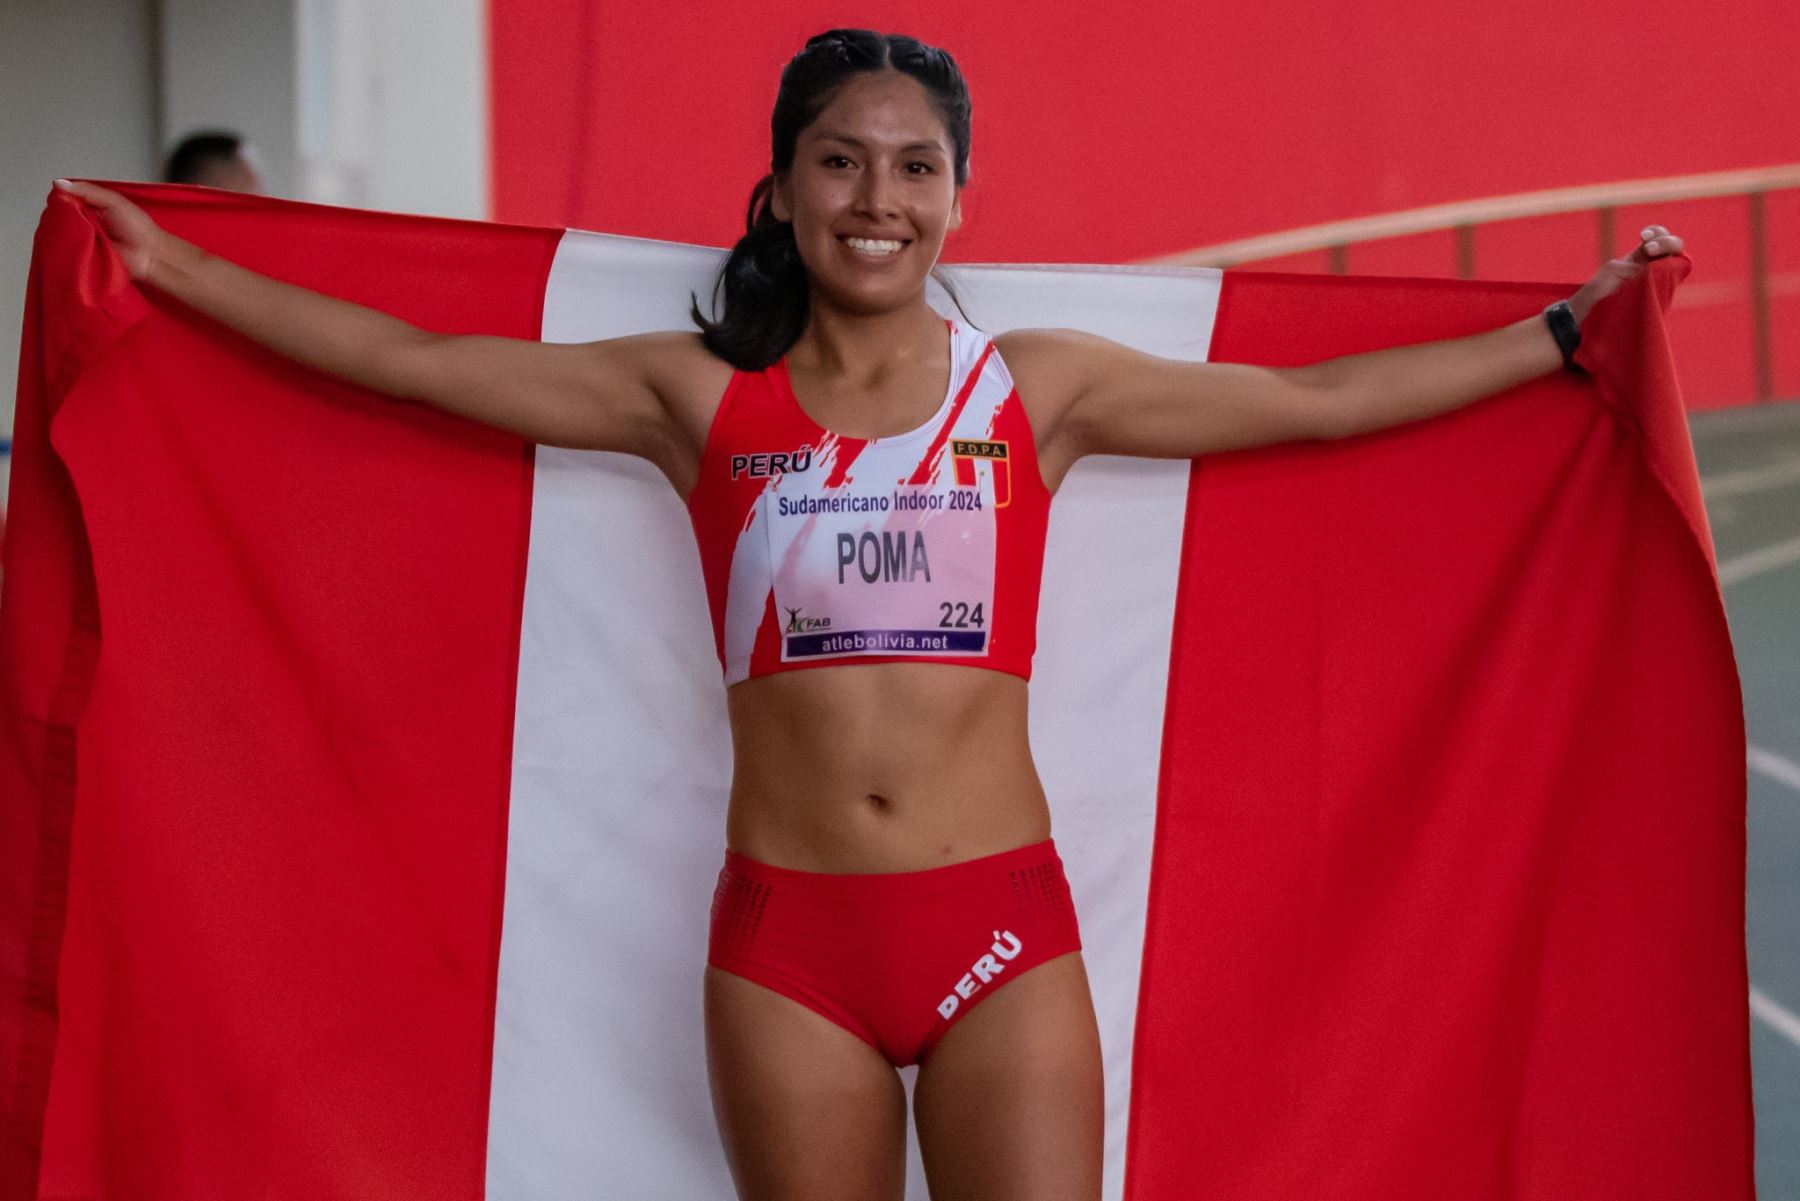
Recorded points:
884,109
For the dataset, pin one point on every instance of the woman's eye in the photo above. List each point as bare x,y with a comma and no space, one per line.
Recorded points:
928,167
835,159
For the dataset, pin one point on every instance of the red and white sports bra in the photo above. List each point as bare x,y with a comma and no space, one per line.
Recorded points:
922,547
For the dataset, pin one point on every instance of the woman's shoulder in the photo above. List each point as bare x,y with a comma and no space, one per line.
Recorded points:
686,376
1047,366
1062,346
679,355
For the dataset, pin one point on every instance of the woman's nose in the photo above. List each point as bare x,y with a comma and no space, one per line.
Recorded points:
875,193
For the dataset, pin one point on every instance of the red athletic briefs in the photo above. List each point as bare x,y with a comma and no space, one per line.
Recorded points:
895,958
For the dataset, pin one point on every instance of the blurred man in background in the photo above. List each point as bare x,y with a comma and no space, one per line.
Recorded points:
214,158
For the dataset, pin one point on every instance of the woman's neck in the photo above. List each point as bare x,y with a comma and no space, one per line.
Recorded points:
864,346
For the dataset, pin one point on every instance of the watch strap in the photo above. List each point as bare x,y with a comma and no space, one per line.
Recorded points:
1566,332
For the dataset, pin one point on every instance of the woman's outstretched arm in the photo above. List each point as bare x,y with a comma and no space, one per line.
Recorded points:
595,395
1115,400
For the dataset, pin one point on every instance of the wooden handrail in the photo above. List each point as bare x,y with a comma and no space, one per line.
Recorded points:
1481,212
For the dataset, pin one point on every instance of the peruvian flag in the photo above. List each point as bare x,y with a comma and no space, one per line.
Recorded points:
363,770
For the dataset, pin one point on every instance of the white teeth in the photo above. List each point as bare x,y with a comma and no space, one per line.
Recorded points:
869,246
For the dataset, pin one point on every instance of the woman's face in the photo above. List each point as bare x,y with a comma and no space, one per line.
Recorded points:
876,167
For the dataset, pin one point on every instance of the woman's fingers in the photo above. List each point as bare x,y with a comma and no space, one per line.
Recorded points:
91,193
1655,242
112,206
129,227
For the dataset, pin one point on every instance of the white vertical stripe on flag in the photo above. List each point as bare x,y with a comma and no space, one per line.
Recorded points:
621,761
621,755
1104,627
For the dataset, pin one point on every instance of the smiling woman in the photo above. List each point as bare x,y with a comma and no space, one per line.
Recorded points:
876,186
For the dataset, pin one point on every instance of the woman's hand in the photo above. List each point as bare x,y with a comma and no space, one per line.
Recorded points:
1656,242
143,245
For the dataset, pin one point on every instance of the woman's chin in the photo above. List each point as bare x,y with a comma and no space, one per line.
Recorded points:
868,301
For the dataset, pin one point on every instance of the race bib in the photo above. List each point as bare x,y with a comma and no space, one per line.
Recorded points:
887,568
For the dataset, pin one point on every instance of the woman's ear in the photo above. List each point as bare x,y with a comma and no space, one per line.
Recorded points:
956,211
778,203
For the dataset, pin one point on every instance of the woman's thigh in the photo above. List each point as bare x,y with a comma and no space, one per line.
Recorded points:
806,1109
1010,1102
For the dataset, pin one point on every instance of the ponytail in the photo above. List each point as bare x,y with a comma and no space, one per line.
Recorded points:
763,287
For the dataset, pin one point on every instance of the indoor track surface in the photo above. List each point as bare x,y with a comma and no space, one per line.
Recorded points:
1750,471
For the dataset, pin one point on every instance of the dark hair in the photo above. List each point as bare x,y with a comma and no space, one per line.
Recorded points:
763,281
199,153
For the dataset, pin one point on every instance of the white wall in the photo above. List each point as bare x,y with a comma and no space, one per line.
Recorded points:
393,104
76,98
234,64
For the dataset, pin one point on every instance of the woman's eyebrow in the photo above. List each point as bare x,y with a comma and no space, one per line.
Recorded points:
833,136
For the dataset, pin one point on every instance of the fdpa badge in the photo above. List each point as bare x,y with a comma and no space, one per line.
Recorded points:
965,451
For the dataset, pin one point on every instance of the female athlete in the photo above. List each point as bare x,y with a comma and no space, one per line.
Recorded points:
868,484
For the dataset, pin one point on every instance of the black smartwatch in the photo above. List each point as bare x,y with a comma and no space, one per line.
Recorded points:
1567,334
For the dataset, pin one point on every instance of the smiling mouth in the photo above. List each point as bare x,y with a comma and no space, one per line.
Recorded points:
875,248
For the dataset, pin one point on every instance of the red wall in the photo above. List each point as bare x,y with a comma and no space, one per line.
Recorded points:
1116,134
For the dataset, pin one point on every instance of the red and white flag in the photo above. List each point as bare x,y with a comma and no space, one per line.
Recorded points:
364,769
